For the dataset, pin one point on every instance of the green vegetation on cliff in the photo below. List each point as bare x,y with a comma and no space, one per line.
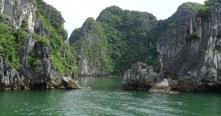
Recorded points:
62,56
125,37
53,16
92,46
10,43
131,36
211,2
205,10
49,33
108,45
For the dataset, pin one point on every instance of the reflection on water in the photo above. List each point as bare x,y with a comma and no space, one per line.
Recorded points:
103,96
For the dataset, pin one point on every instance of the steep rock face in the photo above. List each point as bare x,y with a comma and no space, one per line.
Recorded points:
125,36
202,61
16,11
37,70
32,49
196,65
173,31
189,49
92,49
9,76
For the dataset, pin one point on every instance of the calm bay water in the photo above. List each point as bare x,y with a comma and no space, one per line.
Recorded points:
103,96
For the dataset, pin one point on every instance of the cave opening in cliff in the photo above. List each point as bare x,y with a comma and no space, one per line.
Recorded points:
211,88
39,86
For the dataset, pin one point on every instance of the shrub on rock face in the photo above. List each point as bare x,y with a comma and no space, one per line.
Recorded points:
212,2
192,37
203,12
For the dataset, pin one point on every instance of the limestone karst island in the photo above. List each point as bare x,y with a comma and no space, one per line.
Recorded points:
124,61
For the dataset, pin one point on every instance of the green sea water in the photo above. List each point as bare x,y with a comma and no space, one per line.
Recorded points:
104,97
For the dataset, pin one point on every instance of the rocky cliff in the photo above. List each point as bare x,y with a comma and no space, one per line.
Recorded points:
33,54
170,32
189,48
117,39
92,49
196,65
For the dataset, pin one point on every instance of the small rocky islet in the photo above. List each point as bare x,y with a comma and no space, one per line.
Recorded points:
181,53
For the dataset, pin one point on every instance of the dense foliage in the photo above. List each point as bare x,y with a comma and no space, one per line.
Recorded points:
204,11
92,45
62,56
53,16
211,2
10,43
127,35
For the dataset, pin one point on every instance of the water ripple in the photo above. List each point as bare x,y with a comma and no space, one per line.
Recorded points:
107,100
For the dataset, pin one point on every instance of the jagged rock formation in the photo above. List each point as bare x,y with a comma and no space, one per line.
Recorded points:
16,11
33,54
9,76
173,31
196,66
140,77
117,39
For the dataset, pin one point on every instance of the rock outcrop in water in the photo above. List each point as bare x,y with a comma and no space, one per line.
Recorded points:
69,83
33,54
140,77
161,87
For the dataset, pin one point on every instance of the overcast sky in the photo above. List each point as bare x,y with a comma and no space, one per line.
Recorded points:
75,12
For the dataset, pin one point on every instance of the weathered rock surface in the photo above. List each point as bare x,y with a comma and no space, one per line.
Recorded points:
196,63
69,83
15,11
39,75
10,78
140,77
161,87
35,46
189,51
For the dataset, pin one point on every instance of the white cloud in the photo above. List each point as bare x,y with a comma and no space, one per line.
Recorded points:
75,12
